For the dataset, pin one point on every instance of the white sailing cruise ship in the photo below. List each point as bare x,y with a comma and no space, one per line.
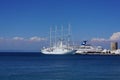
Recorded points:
60,46
59,49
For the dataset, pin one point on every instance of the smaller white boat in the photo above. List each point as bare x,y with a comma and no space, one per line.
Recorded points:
106,51
117,51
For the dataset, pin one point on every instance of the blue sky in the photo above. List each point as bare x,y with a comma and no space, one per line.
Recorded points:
32,18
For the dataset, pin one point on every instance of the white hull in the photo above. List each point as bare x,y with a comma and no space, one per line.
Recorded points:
58,52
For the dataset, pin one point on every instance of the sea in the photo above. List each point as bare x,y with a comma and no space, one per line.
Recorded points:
35,66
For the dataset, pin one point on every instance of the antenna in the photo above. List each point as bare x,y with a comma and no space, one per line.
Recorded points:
69,27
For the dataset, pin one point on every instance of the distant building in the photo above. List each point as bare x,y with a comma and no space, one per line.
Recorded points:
114,45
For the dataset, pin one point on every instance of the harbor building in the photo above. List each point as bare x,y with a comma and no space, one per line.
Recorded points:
114,46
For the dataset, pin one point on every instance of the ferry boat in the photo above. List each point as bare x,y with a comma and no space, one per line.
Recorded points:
86,48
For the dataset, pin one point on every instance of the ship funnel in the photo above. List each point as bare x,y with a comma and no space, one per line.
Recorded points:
84,42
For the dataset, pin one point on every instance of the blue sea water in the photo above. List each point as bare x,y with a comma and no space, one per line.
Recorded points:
34,66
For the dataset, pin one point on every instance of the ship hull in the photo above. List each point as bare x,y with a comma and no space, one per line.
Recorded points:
58,53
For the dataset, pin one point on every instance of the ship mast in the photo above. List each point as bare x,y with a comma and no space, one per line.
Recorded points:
62,37
56,36
69,33
50,36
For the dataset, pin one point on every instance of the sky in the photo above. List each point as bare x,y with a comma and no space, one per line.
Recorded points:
25,24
